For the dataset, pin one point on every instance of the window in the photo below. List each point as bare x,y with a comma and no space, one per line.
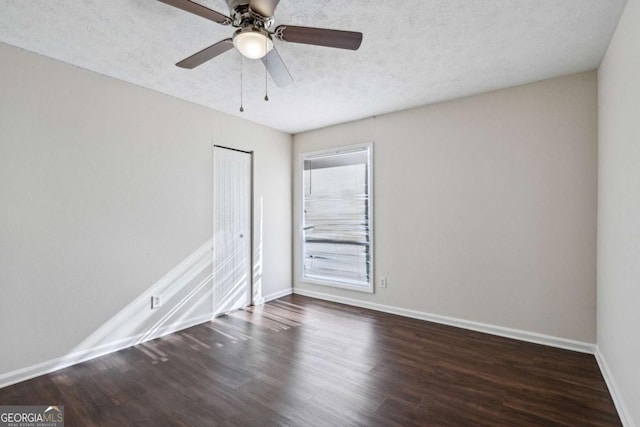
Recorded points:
337,218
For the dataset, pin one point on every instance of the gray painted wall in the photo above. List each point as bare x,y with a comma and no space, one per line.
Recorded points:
619,210
105,188
485,207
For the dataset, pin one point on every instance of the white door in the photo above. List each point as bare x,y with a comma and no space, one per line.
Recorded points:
231,229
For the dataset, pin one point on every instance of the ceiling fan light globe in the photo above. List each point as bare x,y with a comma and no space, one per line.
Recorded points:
252,44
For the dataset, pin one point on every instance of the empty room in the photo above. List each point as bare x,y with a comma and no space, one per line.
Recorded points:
302,213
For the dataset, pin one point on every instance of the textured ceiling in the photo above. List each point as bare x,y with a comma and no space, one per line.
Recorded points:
414,52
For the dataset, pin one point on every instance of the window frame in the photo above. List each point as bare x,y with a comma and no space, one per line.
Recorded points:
368,147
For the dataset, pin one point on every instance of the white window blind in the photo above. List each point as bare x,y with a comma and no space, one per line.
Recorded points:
337,218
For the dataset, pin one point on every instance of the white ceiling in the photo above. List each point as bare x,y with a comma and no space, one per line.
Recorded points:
414,52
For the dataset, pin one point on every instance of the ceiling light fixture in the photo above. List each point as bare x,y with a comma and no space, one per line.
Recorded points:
252,42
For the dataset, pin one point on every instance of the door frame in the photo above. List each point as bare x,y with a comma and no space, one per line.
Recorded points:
251,215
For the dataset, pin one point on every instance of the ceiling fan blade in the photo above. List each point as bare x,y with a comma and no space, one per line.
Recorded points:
319,36
264,7
276,68
198,9
206,54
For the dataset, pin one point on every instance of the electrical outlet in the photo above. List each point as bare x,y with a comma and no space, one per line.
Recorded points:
156,302
383,282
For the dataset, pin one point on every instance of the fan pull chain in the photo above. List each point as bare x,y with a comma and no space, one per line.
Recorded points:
266,65
241,62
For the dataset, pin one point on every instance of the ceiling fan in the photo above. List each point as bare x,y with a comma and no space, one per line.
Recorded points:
254,37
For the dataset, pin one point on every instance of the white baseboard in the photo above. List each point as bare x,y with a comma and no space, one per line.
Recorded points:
614,391
76,357
50,366
276,295
533,337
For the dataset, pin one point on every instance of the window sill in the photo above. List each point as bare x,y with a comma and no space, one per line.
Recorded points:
328,283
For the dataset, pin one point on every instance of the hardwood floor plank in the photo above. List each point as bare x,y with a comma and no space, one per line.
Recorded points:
299,361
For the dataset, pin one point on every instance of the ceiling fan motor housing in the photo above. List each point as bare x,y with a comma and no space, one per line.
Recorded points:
243,16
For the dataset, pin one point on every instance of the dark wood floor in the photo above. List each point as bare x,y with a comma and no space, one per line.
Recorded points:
301,361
